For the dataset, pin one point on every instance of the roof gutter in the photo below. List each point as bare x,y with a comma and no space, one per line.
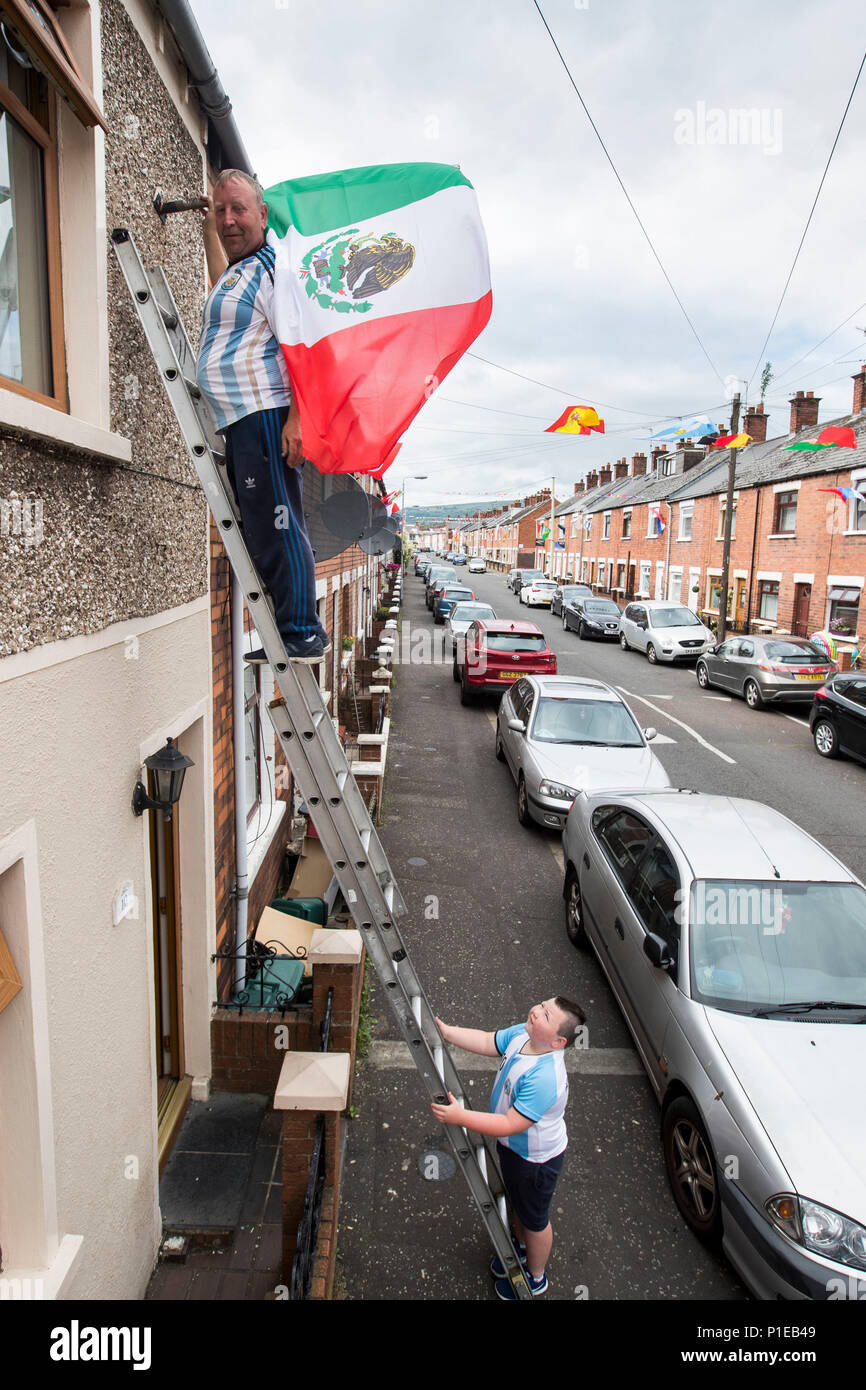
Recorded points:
206,81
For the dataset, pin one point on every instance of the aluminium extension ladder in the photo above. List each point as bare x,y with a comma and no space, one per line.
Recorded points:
318,762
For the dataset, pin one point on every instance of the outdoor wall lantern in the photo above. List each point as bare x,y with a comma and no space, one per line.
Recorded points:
168,766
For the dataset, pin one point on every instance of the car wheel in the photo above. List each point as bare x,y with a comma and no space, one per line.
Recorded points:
753,695
523,804
564,621
702,675
691,1170
622,642
574,910
651,654
500,756
826,739
466,695
455,672
581,632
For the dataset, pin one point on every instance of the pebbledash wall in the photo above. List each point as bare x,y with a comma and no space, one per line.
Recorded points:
104,652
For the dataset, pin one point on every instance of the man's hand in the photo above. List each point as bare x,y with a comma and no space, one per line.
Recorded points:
291,438
217,260
451,1114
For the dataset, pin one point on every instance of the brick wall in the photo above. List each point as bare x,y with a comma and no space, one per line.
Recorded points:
248,1049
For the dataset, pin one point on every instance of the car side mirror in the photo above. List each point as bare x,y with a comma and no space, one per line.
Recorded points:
517,725
657,950
711,648
650,734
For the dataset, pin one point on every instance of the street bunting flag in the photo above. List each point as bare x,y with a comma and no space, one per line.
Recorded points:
577,419
731,441
808,446
841,435
695,428
381,283
846,493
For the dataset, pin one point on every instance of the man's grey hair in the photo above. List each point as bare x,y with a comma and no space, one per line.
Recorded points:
228,174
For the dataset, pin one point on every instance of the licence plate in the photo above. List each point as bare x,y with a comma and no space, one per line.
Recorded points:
821,677
510,675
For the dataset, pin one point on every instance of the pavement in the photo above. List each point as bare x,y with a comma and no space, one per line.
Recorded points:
486,932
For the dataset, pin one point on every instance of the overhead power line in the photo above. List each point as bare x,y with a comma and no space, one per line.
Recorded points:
646,234
808,220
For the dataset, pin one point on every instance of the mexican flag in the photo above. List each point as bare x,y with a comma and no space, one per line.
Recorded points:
381,284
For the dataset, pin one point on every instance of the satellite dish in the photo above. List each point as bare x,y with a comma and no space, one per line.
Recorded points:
380,543
336,511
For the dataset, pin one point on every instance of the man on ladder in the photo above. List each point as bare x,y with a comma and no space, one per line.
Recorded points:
242,375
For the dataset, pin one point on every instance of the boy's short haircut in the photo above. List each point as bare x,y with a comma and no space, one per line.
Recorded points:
575,1018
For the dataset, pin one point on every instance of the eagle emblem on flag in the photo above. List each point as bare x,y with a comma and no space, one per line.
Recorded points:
342,273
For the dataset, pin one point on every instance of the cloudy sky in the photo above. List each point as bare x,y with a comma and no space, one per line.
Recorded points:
580,303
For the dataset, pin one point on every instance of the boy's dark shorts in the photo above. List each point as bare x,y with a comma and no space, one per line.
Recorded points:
530,1186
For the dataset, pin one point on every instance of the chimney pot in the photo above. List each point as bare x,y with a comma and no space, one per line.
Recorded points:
804,411
859,402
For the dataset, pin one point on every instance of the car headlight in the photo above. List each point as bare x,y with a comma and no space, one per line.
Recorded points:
667,646
819,1230
558,791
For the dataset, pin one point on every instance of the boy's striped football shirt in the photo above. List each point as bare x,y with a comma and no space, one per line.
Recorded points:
241,367
537,1087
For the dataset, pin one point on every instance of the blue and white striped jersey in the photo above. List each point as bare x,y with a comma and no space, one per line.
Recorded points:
538,1088
241,368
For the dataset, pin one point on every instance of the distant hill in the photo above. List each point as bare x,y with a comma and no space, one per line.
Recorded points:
456,511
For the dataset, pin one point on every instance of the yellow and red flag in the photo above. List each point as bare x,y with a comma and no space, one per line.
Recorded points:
577,419
731,441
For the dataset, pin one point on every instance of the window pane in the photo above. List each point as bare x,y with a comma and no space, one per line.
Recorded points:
25,341
653,893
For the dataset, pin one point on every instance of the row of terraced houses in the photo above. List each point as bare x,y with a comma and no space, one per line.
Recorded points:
654,527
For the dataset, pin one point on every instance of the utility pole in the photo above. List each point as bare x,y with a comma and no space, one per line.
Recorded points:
552,524
729,510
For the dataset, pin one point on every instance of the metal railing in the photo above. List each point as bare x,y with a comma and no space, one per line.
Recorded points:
264,986
308,1226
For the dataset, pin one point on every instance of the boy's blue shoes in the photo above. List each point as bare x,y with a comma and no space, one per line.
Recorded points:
505,1291
497,1268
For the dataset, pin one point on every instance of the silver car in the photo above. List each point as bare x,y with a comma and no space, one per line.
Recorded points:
766,669
735,946
664,631
561,735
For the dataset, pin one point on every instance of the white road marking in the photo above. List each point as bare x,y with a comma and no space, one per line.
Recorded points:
689,730
725,698
590,1061
556,851
661,697
804,723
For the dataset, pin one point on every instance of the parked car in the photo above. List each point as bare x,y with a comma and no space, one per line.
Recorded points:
510,577
561,735
735,946
766,669
493,654
462,614
563,592
838,716
665,631
437,577
592,617
446,599
477,565
536,592
460,559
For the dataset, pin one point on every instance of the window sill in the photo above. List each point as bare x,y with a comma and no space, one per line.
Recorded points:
39,421
782,536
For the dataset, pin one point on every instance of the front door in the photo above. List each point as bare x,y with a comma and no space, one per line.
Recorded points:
802,600
168,1023
739,614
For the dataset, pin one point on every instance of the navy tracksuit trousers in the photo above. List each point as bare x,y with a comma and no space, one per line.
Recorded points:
269,495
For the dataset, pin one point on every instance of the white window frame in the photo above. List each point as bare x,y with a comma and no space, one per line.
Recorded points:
858,482
686,509
626,523
605,526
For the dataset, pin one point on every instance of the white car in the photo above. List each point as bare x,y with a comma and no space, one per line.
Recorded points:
464,613
537,592
664,631
477,565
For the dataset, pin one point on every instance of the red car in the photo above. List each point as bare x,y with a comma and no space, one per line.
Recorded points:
495,653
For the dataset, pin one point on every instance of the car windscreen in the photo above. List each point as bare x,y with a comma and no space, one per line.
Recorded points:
515,642
529,576
467,612
452,593
796,653
585,721
673,617
572,591
601,605
759,945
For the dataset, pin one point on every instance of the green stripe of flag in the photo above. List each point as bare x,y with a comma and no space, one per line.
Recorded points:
324,202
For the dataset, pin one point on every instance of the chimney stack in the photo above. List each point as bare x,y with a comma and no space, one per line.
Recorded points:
620,469
592,480
605,475
804,411
755,423
638,465
578,488
859,391
656,455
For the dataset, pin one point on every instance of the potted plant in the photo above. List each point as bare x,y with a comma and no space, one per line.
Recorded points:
348,643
